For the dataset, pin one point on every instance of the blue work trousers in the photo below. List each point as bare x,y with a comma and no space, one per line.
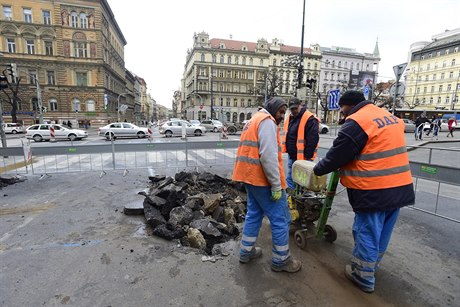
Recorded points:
290,183
260,204
372,233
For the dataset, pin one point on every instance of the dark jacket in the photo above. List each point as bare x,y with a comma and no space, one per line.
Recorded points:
349,144
311,136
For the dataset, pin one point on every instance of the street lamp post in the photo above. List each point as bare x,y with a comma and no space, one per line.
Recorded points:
118,105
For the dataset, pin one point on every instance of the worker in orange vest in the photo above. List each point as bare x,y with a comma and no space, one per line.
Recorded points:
259,165
370,151
301,136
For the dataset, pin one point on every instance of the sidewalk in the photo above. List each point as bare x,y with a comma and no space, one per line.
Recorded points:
65,240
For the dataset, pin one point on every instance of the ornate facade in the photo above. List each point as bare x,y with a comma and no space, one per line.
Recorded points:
74,49
227,79
433,73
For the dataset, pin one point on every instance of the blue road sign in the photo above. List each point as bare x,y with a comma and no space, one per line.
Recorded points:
333,100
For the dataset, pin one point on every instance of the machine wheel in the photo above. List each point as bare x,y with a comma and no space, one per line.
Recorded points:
140,135
109,136
330,234
197,132
72,137
168,134
300,237
215,129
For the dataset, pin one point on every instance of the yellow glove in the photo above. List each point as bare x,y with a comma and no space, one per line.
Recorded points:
276,195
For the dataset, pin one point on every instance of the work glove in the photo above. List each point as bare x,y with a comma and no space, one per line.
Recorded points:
276,195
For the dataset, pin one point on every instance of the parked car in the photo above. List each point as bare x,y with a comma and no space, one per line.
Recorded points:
323,129
41,132
118,130
409,125
174,127
212,125
195,122
13,128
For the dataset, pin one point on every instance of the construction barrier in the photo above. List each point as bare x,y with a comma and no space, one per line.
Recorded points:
150,133
224,132
52,135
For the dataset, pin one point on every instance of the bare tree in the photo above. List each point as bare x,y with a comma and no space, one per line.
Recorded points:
11,92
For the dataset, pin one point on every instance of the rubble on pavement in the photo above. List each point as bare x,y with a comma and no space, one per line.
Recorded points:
201,210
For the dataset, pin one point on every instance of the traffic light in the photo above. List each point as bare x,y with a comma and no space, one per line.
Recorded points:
13,71
311,83
3,82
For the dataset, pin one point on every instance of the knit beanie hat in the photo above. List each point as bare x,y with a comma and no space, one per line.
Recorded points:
351,98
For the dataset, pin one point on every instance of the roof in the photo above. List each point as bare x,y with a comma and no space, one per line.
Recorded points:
251,46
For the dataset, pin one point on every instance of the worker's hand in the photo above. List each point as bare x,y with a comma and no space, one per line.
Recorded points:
276,195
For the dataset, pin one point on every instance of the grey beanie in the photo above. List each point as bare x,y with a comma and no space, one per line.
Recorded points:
273,104
351,98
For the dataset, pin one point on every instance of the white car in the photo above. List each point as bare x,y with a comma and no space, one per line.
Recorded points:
13,128
212,125
174,127
41,132
323,129
118,130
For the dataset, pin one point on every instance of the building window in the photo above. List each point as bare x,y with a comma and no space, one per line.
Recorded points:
46,17
449,87
424,89
444,63
451,74
440,88
214,58
439,99
83,21
202,57
53,105
82,79
442,76
48,48
80,50
7,13
229,59
453,62
90,106
426,78
237,60
74,19
447,99
434,76
357,66
27,15
76,105
34,104
30,46
51,77
431,100
243,61
432,89
251,61
221,59
32,76
11,45
428,66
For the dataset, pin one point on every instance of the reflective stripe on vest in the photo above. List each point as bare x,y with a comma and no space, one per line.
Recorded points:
248,168
383,162
300,145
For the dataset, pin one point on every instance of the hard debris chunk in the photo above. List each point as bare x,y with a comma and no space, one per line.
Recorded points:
195,202
157,178
180,215
165,182
195,238
206,227
211,202
153,215
168,231
134,208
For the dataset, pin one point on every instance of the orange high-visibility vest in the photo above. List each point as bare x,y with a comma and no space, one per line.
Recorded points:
300,144
383,163
248,168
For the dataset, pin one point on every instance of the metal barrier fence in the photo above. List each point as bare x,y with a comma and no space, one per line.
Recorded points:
438,182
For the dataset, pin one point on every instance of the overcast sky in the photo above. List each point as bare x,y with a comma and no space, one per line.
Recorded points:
160,32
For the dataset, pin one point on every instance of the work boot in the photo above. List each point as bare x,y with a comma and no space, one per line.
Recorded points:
291,266
256,253
349,274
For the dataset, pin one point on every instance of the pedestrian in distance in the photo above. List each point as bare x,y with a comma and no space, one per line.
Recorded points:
300,137
436,123
370,153
69,124
431,125
419,123
451,124
259,165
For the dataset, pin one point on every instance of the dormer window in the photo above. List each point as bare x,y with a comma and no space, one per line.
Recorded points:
222,46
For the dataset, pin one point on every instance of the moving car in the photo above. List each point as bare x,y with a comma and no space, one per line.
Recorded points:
174,127
13,128
41,132
212,125
118,130
409,125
